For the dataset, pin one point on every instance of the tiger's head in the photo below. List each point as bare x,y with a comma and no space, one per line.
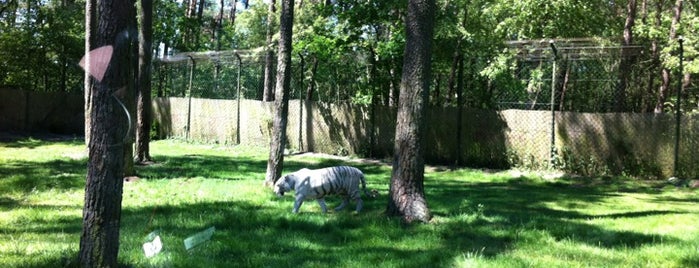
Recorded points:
284,184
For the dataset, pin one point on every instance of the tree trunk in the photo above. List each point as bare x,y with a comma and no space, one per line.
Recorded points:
394,90
90,26
654,56
232,14
99,241
406,194
312,81
191,8
564,85
219,27
200,9
275,163
451,84
268,88
130,95
145,56
460,109
626,58
665,87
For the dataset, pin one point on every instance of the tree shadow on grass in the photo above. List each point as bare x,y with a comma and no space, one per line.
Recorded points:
255,235
235,168
27,176
518,204
30,141
261,234
266,234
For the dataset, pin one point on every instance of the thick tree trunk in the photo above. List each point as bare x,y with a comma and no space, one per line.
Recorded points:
99,242
406,195
268,88
145,56
275,163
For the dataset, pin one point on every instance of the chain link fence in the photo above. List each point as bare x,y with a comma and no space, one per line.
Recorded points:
567,105
600,108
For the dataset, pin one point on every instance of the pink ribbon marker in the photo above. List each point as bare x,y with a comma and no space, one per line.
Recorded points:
96,61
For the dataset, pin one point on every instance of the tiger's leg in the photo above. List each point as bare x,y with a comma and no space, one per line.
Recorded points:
360,203
323,207
297,203
344,203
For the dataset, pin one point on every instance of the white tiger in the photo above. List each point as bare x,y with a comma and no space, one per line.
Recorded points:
316,184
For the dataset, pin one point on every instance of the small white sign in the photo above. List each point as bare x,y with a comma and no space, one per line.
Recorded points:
153,247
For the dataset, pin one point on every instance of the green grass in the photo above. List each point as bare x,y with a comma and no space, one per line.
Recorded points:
481,219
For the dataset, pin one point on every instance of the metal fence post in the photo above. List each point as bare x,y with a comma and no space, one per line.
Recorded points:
678,113
189,102
553,104
237,127
302,77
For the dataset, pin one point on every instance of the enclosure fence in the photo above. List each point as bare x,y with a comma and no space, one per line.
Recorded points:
567,105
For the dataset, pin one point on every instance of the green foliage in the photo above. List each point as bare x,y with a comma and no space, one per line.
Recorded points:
358,44
482,218
34,53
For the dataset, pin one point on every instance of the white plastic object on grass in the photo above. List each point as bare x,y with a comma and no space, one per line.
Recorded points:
199,238
153,245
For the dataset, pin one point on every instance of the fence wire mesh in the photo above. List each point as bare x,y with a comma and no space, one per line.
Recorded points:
582,107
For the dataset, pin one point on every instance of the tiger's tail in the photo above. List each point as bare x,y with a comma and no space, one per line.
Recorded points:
366,192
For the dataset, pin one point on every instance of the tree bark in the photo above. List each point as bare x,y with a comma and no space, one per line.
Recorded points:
406,193
626,58
232,14
665,86
275,163
99,241
451,83
191,8
312,81
393,90
564,85
268,88
90,27
130,94
145,56
200,10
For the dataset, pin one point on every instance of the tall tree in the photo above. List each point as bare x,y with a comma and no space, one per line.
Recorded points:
281,100
626,57
268,87
143,101
99,241
406,196
665,86
129,39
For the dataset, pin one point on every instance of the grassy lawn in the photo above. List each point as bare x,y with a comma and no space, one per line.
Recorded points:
481,219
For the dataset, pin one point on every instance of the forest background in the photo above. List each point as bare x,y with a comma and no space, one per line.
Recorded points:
614,56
